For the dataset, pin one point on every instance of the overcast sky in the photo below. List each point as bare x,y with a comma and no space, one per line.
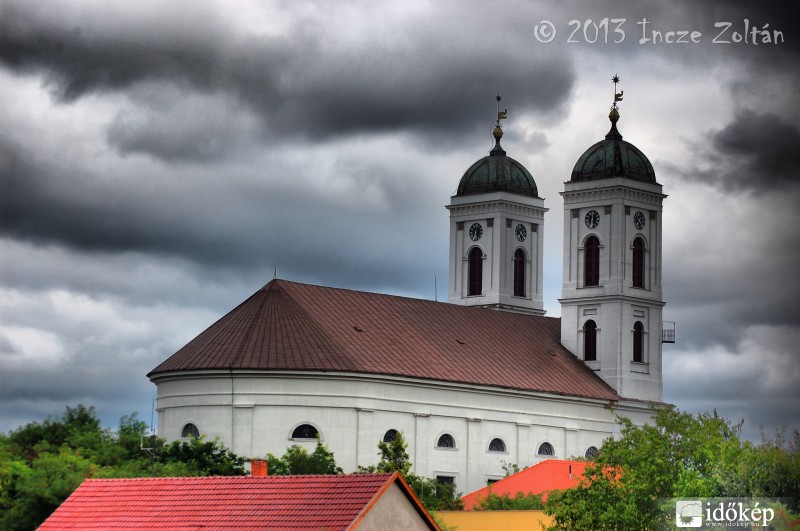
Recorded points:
158,160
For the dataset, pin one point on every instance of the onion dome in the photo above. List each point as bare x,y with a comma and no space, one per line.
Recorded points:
613,157
497,173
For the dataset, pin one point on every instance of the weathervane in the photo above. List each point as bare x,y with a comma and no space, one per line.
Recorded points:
617,95
501,115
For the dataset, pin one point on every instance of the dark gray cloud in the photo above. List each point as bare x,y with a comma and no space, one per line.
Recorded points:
230,224
82,50
756,152
301,84
160,160
727,272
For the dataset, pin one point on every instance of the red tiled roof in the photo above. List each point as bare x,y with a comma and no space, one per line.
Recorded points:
541,478
291,326
244,502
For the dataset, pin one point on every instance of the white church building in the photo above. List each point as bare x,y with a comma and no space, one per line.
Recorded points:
483,380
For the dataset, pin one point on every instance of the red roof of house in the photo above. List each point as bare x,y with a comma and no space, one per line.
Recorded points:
291,326
541,478
332,502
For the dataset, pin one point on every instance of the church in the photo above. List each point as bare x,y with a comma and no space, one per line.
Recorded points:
483,381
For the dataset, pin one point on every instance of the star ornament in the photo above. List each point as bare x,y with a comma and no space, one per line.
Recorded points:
615,79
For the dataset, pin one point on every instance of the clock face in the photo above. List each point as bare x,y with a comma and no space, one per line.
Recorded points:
592,219
475,232
520,232
638,220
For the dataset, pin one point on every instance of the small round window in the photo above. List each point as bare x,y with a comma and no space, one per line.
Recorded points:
390,436
190,430
305,431
591,452
545,449
497,445
446,441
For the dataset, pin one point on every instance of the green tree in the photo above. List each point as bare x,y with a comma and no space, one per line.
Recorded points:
394,457
297,460
39,489
512,468
504,502
435,495
198,457
678,455
41,463
771,469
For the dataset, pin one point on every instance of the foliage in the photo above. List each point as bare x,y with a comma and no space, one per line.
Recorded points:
297,460
512,468
198,457
677,456
503,502
435,495
394,457
41,463
772,469
37,491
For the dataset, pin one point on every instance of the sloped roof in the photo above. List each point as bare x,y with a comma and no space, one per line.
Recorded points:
332,502
541,478
291,326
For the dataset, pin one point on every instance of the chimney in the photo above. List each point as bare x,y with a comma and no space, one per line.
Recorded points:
258,467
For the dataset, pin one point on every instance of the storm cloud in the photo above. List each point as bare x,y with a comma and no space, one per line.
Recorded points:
160,162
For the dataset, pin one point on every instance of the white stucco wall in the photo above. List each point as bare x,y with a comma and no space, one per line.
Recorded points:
255,413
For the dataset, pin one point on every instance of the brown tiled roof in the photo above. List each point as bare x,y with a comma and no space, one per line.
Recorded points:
291,326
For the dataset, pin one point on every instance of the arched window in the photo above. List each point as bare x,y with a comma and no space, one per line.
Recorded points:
591,452
475,272
390,435
305,431
190,430
638,340
545,449
519,273
638,263
497,445
590,340
446,441
591,276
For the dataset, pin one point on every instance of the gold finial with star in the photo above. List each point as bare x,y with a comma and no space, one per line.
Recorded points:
501,115
617,95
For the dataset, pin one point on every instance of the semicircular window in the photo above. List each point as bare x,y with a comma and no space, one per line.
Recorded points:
497,445
591,452
190,430
390,435
446,441
305,431
545,449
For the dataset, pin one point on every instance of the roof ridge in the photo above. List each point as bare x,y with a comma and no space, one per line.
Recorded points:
252,326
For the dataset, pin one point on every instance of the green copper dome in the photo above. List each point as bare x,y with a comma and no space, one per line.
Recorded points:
497,173
613,157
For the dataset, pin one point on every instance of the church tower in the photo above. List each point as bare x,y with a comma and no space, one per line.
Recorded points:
496,234
611,297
